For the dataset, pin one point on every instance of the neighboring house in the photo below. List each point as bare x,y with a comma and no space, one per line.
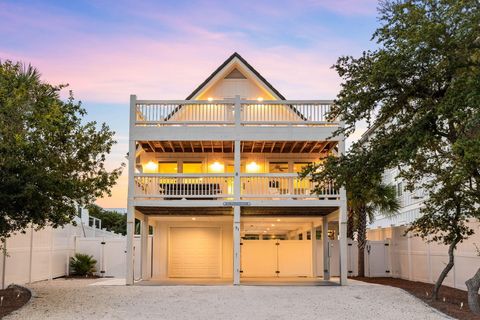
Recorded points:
214,179
410,203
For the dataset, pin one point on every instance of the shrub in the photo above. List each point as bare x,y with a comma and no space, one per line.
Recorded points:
83,264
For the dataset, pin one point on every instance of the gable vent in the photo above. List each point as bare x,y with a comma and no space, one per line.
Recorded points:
235,74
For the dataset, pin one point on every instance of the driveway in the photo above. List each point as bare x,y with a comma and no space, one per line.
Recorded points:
79,299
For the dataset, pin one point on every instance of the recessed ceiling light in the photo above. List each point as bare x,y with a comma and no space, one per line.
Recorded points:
273,225
194,219
268,228
278,220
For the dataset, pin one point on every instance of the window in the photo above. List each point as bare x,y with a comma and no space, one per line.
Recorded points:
150,230
300,236
278,167
192,167
399,189
167,167
138,225
298,166
309,235
251,237
318,234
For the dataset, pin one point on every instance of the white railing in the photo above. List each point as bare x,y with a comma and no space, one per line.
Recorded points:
289,185
183,112
286,112
223,112
180,186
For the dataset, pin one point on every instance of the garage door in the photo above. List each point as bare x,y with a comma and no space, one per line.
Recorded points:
195,252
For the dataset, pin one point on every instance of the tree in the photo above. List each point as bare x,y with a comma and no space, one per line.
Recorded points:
473,285
112,220
366,193
51,160
421,90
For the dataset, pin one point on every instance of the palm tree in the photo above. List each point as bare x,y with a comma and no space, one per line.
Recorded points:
362,206
366,193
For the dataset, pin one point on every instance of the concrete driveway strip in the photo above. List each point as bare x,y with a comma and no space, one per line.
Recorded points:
78,299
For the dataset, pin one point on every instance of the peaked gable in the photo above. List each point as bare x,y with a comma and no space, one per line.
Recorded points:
234,68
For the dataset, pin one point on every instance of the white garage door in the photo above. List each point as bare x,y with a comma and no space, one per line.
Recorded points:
195,252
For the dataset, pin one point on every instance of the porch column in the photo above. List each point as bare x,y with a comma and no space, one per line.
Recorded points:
313,238
342,232
342,225
144,248
236,245
236,211
130,201
326,249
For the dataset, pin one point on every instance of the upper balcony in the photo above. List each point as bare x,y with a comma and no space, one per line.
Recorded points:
223,113
230,119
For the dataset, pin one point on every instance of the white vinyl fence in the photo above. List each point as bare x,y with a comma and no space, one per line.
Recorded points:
413,259
111,254
44,254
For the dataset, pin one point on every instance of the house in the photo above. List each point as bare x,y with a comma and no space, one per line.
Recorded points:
214,187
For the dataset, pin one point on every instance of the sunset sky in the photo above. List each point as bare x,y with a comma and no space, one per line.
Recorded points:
107,50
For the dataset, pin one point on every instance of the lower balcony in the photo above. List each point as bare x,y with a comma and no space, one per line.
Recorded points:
286,186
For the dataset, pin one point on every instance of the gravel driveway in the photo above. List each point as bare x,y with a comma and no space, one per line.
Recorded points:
77,299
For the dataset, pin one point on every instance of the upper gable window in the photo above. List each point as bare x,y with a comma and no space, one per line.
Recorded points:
235,74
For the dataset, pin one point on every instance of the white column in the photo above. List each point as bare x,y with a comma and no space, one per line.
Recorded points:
343,246
144,248
236,211
131,185
313,238
326,249
342,225
236,245
238,111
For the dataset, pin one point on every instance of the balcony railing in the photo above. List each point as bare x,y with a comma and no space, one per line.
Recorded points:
284,186
223,112
184,186
270,186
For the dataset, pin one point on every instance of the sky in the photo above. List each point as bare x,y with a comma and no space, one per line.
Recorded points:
107,50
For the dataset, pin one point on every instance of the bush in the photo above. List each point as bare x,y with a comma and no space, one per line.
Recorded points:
83,264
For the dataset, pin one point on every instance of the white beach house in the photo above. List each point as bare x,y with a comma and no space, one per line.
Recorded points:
213,179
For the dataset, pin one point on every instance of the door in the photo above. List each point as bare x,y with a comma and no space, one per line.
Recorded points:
195,252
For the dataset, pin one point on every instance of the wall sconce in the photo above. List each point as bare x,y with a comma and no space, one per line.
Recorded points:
217,167
150,167
253,167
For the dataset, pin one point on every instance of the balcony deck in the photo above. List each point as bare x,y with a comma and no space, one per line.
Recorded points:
220,187
233,112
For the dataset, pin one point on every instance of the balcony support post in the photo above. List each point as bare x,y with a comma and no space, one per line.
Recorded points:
131,190
236,209
238,111
144,249
326,249
236,245
342,224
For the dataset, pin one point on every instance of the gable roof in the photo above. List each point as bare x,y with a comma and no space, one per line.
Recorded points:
223,65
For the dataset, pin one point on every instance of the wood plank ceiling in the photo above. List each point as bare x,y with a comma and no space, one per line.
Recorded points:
246,146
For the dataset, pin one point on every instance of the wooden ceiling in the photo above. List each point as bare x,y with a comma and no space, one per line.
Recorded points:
245,211
246,146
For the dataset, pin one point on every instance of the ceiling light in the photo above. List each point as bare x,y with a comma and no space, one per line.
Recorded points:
260,99
278,220
253,167
273,225
210,99
194,219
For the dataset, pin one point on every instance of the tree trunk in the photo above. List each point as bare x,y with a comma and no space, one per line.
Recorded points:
445,271
350,224
362,241
473,285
